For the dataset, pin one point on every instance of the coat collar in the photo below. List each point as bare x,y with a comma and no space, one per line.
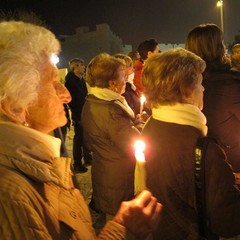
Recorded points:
110,96
33,153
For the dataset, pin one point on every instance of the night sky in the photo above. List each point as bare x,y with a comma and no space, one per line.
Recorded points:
168,21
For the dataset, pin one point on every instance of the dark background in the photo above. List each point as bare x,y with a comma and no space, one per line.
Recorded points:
133,20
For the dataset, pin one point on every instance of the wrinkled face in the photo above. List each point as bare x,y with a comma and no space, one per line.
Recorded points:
48,112
196,95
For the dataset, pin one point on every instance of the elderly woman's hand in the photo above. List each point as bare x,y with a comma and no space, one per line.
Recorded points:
140,215
140,120
142,117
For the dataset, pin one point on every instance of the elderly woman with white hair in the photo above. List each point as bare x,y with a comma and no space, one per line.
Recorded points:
37,197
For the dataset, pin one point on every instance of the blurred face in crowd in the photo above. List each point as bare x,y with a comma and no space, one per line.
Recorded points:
79,69
48,112
129,70
156,50
236,52
130,74
235,58
196,96
119,85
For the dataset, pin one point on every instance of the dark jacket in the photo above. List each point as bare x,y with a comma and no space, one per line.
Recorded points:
132,98
78,90
110,132
222,109
170,177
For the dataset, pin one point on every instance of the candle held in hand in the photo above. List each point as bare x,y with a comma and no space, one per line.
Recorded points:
140,171
142,100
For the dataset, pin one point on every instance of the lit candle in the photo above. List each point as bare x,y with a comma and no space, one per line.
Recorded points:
142,100
140,171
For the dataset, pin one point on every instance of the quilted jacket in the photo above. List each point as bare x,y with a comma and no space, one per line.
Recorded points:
37,197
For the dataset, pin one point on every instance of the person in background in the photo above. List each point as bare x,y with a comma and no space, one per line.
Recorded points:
61,133
110,129
67,126
222,88
37,197
135,56
130,93
75,83
173,85
235,57
145,49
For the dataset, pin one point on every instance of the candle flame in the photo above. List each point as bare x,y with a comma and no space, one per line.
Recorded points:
142,99
220,3
139,145
139,149
140,157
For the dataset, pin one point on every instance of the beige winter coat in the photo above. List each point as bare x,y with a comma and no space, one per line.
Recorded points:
37,198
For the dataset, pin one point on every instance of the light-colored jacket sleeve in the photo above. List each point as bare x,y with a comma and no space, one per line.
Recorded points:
21,221
112,231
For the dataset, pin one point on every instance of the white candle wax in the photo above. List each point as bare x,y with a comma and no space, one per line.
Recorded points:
142,100
140,171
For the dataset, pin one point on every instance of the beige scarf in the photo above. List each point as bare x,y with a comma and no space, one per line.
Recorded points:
183,114
109,95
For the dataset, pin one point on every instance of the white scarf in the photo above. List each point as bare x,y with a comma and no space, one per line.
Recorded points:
109,95
183,114
130,80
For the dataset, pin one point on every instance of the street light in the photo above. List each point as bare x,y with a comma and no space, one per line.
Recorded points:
220,5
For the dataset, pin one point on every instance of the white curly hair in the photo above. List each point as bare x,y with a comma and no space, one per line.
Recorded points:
24,48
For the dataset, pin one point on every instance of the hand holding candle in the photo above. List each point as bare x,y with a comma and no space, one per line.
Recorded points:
142,100
140,171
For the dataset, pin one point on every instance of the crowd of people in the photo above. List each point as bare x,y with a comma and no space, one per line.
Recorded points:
192,95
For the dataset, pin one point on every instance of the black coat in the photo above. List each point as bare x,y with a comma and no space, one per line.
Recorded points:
132,98
222,110
170,163
78,90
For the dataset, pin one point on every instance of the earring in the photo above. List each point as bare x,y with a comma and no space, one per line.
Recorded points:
25,124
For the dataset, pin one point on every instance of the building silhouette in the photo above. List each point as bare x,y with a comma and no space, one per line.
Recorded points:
86,44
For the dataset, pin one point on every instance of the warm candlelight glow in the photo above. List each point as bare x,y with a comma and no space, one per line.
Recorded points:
140,172
139,149
219,3
142,100
139,156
